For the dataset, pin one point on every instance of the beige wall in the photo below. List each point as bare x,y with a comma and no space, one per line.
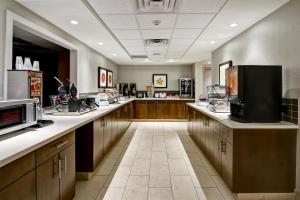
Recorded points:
274,40
88,60
142,75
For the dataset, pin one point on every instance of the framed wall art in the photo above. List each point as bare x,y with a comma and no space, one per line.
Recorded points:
160,80
102,77
222,70
109,78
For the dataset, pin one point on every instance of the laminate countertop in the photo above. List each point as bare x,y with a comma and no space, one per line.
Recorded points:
17,144
224,119
168,99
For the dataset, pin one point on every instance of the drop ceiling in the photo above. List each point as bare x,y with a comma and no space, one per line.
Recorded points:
123,28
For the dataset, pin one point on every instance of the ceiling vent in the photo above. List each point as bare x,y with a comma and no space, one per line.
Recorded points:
156,42
154,6
139,57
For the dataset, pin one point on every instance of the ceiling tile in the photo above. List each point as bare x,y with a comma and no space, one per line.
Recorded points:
127,34
132,43
156,49
120,21
135,48
111,6
186,33
193,20
177,49
185,42
157,34
201,6
146,21
137,53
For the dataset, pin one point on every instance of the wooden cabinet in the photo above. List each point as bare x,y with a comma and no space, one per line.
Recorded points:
151,109
248,160
97,141
107,134
18,180
67,173
47,176
161,109
141,109
55,174
23,188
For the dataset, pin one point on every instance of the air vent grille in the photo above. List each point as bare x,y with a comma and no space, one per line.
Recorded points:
164,6
156,42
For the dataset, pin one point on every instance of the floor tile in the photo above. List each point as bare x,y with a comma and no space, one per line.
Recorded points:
159,158
137,188
160,194
183,188
143,154
226,193
178,167
141,167
111,194
159,176
209,194
105,167
90,189
119,177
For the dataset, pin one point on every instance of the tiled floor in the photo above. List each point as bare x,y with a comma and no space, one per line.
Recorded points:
154,161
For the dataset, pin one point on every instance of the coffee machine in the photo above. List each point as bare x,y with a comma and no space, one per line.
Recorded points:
255,93
123,89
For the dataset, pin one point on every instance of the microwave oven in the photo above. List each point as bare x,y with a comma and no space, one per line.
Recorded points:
17,114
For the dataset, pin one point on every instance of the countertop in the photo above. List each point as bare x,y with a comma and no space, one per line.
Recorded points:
17,144
169,99
224,119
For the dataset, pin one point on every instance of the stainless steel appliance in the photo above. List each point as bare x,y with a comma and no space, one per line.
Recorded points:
186,87
17,114
123,89
25,84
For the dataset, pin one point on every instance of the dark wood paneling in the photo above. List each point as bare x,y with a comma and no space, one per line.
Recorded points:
266,160
140,109
151,109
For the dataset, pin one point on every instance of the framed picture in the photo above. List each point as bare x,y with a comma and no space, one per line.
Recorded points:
109,78
160,80
102,73
222,70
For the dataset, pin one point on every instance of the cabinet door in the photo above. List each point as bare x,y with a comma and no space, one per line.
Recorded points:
227,162
47,180
23,188
97,142
67,173
140,109
162,109
114,133
181,110
107,133
173,109
151,108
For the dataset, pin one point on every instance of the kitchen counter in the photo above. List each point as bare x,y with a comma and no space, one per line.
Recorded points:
168,99
224,119
17,144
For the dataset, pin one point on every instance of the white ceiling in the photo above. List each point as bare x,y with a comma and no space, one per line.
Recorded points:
189,29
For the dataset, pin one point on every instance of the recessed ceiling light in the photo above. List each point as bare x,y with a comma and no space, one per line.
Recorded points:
74,22
114,54
171,60
212,42
146,60
233,25
100,43
209,62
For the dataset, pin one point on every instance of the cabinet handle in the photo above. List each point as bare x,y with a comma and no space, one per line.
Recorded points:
65,164
223,147
219,145
61,144
105,123
59,168
54,168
